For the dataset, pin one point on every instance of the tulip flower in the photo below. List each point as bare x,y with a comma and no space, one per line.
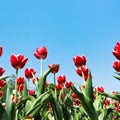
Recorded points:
106,102
100,89
68,84
74,95
18,61
58,87
2,83
56,69
61,79
116,66
41,52
29,73
31,92
20,87
20,80
76,102
79,61
1,51
116,51
82,72
1,71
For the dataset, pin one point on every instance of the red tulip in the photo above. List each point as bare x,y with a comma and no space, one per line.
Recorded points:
74,95
35,79
116,66
114,92
58,87
1,51
68,84
56,69
1,71
1,93
116,51
106,103
100,89
13,99
31,92
29,72
20,87
77,102
18,61
61,79
83,72
2,83
41,52
79,61
20,80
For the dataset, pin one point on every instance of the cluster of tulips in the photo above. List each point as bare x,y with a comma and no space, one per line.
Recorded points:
60,100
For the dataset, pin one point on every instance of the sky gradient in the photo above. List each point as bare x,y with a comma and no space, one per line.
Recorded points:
67,28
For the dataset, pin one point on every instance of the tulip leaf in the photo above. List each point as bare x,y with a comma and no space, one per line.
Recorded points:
9,100
3,113
99,101
105,114
25,91
113,96
66,113
68,102
4,77
117,77
87,104
38,104
42,81
89,88
57,110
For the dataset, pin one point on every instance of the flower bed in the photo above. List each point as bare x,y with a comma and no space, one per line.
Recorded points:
60,100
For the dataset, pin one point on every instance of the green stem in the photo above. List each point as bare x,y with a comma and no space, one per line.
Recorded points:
55,85
40,66
28,85
16,85
54,79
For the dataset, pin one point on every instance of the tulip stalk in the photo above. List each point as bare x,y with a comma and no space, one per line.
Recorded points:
40,66
16,85
28,84
54,79
55,84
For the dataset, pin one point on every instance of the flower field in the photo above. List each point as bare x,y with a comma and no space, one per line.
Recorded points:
60,100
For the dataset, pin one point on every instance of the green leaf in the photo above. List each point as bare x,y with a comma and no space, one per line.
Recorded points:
99,101
4,77
87,104
67,102
57,110
24,100
89,88
117,77
3,113
66,113
28,105
113,96
25,92
38,104
9,101
42,81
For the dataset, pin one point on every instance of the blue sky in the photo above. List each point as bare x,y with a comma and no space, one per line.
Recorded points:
67,28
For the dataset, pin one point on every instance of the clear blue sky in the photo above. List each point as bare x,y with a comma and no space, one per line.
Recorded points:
67,28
